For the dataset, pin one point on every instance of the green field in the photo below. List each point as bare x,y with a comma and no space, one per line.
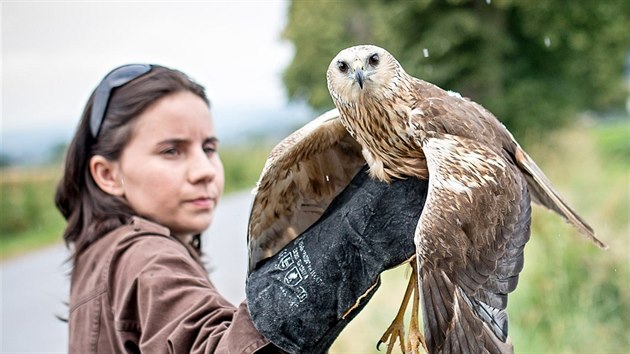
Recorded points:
572,297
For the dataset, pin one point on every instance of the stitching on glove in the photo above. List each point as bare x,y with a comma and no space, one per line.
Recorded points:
358,302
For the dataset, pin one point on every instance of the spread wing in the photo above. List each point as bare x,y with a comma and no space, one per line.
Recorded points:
302,175
448,111
470,241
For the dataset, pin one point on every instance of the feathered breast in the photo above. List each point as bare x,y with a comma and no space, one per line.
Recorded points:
386,134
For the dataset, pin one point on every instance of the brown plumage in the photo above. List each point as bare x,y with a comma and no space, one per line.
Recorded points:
476,219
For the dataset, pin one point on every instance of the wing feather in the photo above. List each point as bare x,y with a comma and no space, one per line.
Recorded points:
470,241
544,193
462,117
302,175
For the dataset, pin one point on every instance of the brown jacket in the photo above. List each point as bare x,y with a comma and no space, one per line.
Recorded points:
140,290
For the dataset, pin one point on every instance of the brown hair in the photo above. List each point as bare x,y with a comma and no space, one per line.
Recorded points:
90,212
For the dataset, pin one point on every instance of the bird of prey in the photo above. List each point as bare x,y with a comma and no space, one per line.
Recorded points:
476,217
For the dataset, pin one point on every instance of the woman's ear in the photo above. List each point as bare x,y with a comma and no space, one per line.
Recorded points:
107,175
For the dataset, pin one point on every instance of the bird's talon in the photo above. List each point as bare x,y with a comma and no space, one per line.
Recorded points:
396,331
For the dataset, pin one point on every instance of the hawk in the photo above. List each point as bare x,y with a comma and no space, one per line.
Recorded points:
476,219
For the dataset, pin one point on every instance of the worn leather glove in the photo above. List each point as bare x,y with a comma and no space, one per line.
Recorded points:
301,298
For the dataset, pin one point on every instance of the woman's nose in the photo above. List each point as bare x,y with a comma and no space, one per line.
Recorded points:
202,168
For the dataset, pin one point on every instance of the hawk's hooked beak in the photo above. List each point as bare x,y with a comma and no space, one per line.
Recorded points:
359,76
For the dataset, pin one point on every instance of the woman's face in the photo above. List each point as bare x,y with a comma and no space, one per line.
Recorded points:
170,169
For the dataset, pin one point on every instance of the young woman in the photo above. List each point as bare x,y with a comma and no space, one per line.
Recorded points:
141,181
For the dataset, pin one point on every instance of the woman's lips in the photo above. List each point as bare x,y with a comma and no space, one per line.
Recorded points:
203,203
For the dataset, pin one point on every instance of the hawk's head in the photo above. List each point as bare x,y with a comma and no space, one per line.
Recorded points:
364,70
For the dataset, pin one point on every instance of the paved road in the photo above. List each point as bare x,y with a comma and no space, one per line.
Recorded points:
35,287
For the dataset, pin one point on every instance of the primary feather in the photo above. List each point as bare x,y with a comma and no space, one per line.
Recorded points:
301,177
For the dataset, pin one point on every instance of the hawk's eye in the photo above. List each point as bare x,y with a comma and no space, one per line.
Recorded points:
343,66
374,60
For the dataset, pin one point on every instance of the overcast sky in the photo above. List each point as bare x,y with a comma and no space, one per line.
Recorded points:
54,53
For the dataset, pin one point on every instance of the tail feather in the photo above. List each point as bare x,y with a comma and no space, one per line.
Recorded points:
543,193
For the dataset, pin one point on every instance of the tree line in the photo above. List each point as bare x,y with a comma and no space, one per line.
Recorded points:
534,64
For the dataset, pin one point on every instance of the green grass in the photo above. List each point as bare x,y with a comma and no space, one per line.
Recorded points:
574,297
28,217
243,165
613,142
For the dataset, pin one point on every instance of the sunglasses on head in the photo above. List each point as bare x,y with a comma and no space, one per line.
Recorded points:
116,78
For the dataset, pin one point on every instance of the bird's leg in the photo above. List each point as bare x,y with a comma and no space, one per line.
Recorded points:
397,329
415,336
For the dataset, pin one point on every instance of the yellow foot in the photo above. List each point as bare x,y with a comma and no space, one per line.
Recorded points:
415,337
415,340
396,331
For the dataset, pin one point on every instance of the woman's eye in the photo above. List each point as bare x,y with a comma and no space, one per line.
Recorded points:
209,149
170,151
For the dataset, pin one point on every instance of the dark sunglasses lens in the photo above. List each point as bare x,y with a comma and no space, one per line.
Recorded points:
116,78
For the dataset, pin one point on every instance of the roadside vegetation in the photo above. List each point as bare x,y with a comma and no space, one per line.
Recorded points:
28,217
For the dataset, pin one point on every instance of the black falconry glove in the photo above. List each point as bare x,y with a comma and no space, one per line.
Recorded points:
302,297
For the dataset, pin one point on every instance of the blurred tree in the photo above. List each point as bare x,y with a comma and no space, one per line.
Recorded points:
533,64
5,160
58,152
